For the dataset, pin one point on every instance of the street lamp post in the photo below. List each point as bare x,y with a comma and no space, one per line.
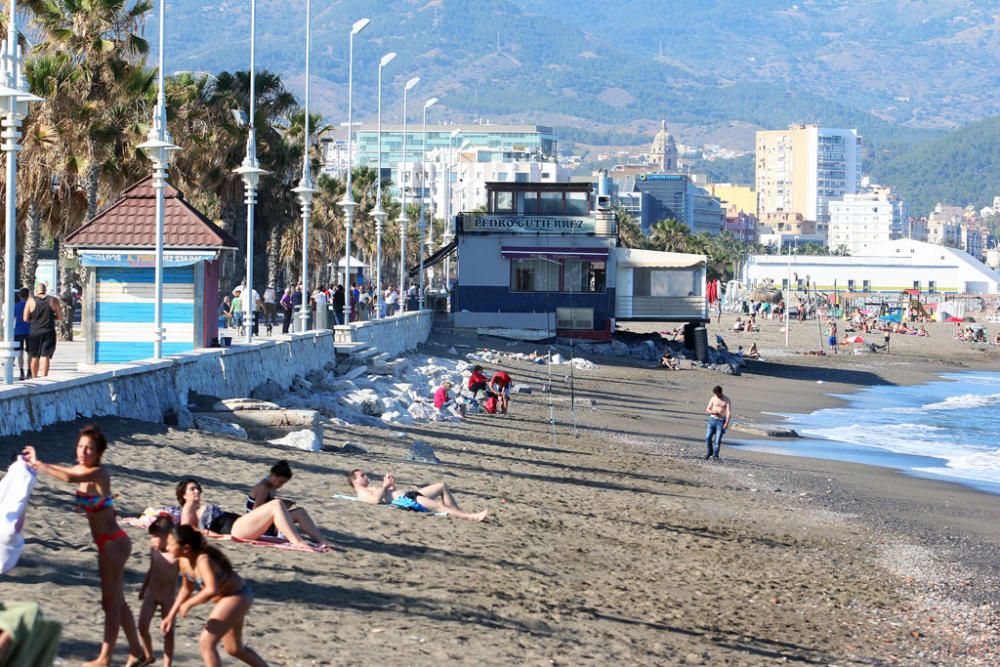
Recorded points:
788,293
305,190
348,203
404,219
423,179
159,146
250,172
14,99
448,232
378,213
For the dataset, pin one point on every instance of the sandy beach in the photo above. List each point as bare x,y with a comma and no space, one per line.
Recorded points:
608,541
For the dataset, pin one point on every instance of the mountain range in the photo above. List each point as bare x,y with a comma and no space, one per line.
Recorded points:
901,71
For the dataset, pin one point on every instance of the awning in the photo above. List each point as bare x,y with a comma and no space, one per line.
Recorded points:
438,256
593,253
654,259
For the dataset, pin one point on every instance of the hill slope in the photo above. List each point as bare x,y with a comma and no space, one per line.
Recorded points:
960,168
699,62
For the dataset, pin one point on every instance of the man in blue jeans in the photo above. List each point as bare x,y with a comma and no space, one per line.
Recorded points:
720,410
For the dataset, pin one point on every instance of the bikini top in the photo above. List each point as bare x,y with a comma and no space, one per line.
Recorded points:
251,500
93,503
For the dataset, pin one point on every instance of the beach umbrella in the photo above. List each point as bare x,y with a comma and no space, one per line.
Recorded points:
953,319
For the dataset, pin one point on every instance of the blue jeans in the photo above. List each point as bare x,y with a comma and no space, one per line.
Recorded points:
713,435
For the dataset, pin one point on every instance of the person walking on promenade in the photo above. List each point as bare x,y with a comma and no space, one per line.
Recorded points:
720,411
41,312
287,310
21,329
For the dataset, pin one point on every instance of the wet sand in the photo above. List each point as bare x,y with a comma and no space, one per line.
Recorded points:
610,541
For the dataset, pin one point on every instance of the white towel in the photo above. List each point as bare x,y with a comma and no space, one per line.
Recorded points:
15,489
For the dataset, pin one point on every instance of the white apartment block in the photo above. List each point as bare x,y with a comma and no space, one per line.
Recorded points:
804,168
454,181
861,221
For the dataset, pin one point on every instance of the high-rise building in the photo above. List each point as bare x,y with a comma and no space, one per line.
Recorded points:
803,168
861,221
506,142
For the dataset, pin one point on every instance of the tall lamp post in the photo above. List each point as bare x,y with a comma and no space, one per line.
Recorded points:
250,172
404,219
305,190
422,224
159,146
348,203
378,213
14,99
448,222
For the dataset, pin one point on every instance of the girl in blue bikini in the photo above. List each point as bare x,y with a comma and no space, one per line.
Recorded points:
206,566
93,496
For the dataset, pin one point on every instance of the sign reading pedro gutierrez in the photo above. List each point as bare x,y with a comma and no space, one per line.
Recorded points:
528,224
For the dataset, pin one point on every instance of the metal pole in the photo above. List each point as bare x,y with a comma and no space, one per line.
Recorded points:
159,182
348,203
15,98
404,219
305,190
422,223
788,294
378,213
251,194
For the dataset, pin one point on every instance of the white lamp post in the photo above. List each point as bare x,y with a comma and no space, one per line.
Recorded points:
422,224
348,203
305,190
14,99
250,172
448,221
159,146
378,213
404,219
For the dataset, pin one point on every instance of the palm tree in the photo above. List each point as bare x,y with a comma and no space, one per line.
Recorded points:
629,233
670,236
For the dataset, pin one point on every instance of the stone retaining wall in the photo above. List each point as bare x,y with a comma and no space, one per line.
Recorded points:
146,390
394,335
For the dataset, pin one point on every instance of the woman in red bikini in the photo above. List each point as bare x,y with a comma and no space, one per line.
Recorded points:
93,496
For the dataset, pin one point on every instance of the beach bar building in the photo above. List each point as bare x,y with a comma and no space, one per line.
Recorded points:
543,260
118,248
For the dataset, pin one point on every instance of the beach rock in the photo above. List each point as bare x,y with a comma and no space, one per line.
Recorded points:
355,372
522,389
304,440
269,391
184,417
421,452
619,349
233,404
213,425
351,448
301,385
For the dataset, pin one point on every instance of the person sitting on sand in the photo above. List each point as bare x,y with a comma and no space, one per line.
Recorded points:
433,498
668,360
251,526
477,380
441,397
263,492
207,566
738,324
754,353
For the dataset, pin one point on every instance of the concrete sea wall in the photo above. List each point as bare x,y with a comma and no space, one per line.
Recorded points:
147,390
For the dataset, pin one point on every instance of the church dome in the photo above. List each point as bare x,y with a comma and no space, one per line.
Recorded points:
664,150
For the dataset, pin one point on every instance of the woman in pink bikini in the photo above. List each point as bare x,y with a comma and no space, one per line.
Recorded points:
93,496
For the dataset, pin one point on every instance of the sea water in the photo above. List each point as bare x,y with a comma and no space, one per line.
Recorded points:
947,429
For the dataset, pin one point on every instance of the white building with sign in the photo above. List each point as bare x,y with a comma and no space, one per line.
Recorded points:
889,267
543,260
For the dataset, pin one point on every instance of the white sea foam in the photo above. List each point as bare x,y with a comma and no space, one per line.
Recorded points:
964,402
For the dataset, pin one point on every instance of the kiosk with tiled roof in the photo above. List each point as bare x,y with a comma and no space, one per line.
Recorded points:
119,246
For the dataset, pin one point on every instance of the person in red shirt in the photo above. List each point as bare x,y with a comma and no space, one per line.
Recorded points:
441,397
500,385
477,381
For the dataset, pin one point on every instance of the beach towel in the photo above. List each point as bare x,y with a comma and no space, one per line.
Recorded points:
34,638
15,489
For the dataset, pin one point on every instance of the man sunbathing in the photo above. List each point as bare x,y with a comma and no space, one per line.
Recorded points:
433,498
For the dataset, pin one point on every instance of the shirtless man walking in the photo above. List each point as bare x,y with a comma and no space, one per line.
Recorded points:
720,410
